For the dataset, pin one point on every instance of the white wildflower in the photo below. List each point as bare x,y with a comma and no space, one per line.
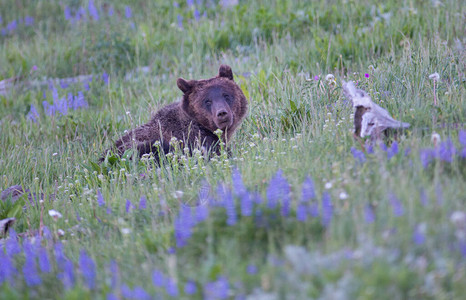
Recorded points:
330,77
343,195
328,185
435,138
125,230
434,76
60,232
458,218
55,214
55,154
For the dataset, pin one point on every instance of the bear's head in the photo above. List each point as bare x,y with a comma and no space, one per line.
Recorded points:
215,103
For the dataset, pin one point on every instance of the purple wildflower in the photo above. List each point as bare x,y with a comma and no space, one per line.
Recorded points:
202,213
29,21
49,109
308,191
229,204
238,185
197,15
140,293
12,26
180,21
183,224
251,269
190,3
46,233
426,156
93,10
126,292
111,11
67,276
397,206
366,75
369,215
393,150
463,153
278,188
67,13
158,279
359,155
12,245
142,202
114,272
87,267
190,287
62,106
418,235
44,262
129,206
316,78
447,151
171,288
8,270
64,84
370,148
246,205
109,210
128,12
217,289
111,296
31,276
100,198
301,212
407,151
462,137
33,114
105,77
327,209
79,101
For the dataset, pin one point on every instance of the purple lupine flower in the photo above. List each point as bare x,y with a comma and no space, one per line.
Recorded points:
397,206
67,276
33,114
63,84
462,137
49,109
246,205
12,246
197,15
383,147
183,224
111,11
217,289
46,233
257,198
114,273
128,12
31,276
423,197
79,101
44,262
171,288
359,155
327,209
308,191
59,254
251,269
180,21
419,237
314,209
87,267
186,215
229,205
301,212
93,10
285,211
202,213
238,185
190,287
370,148
407,151
7,270
100,198
29,21
105,77
62,106
463,153
369,215
109,210
12,26
277,189
190,3
142,202
126,292
158,279
67,13
447,151
129,206
111,296
140,293
393,150
3,31
426,156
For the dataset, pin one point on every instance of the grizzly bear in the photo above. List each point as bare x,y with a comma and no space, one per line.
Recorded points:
207,105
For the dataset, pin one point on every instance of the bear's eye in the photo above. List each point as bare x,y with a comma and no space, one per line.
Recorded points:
227,97
207,102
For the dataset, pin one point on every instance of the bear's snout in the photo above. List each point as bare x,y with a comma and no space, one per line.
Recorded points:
223,118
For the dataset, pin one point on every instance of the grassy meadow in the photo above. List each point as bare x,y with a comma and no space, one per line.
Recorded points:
299,210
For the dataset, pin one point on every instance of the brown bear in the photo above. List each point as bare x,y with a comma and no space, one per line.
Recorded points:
207,105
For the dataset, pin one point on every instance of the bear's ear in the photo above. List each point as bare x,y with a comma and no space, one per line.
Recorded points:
184,85
225,71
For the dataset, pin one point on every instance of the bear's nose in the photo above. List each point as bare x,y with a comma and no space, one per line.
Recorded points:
222,114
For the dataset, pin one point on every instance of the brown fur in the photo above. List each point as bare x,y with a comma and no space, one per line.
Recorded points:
207,105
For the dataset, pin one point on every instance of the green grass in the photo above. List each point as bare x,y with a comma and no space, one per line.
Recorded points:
302,127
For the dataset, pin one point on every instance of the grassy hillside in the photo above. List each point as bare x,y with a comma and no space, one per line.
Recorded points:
300,210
